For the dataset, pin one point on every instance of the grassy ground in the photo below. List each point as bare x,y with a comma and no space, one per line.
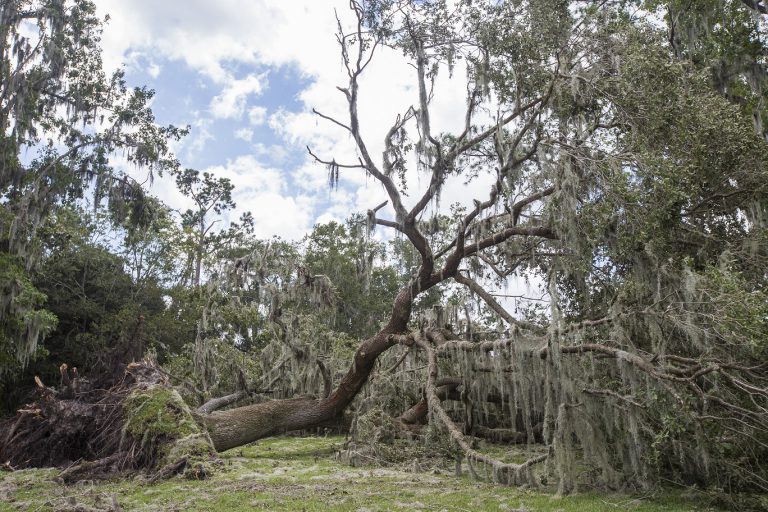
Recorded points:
292,473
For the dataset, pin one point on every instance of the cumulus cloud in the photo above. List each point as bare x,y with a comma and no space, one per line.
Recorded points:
232,100
209,35
275,153
200,135
257,115
262,190
245,134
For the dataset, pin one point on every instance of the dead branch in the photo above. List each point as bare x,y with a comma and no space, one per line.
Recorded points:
214,404
325,372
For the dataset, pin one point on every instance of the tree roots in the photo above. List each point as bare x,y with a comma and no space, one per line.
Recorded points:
139,423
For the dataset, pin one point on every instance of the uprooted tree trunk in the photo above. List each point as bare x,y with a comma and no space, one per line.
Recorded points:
235,427
143,423
81,429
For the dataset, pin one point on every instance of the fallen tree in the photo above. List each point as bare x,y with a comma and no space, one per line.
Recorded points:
648,361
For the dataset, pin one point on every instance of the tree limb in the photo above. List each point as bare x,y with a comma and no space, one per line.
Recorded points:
506,473
494,305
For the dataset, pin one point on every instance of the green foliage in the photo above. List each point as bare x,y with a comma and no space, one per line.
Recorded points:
96,301
21,320
228,364
739,310
364,286
211,196
60,107
690,151
725,39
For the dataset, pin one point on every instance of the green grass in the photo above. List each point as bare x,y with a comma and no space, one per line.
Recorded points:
290,473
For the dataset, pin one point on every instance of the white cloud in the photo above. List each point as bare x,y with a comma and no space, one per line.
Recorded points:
215,38
208,35
245,134
257,115
231,102
263,191
153,70
199,135
138,60
275,153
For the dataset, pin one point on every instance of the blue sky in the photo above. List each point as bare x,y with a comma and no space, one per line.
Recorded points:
245,76
184,97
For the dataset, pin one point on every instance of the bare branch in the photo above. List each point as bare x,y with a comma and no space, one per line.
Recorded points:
517,112
501,236
495,306
613,394
221,402
331,119
333,162
518,207
389,224
325,372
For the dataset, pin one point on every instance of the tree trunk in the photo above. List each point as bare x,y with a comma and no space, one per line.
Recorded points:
199,255
236,427
50,421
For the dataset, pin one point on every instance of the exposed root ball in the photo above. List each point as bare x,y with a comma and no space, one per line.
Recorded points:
140,423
